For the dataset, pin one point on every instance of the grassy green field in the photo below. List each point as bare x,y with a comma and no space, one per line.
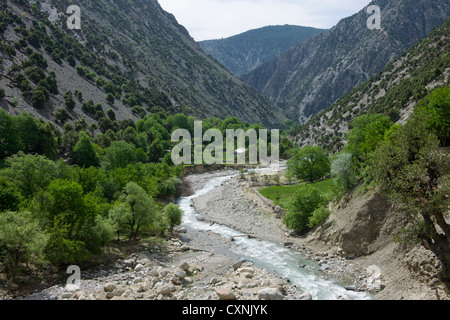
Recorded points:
280,195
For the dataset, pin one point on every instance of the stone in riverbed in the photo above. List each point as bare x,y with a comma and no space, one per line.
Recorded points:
270,294
184,266
166,289
109,287
226,293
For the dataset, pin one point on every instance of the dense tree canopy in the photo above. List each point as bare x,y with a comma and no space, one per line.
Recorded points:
309,164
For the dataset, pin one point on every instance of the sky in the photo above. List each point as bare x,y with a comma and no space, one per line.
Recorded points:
216,19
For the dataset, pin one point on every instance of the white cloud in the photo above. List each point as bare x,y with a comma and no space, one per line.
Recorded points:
213,19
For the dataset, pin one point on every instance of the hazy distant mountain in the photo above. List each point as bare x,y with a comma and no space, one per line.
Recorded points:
311,76
245,52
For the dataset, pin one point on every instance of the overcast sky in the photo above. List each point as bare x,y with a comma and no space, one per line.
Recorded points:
215,19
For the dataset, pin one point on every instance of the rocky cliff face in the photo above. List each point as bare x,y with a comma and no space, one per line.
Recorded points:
311,76
245,52
362,228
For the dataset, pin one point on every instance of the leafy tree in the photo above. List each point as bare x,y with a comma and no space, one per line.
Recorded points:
342,169
2,93
367,132
173,215
318,217
303,206
9,140
119,155
436,108
30,173
38,99
415,174
62,116
111,114
119,218
64,199
155,150
141,155
69,101
84,152
28,131
21,240
110,98
9,196
309,163
136,208
60,249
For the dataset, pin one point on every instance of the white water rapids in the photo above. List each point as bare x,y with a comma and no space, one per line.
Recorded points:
274,258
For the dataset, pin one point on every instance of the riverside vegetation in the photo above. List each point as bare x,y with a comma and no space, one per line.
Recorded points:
65,195
89,165
407,162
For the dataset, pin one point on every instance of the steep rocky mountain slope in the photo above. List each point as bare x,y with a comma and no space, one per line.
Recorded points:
245,52
395,92
129,56
313,75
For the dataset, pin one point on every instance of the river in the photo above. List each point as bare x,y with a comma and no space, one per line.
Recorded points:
272,257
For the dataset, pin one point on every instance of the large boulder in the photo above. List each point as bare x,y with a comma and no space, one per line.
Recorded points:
270,294
226,293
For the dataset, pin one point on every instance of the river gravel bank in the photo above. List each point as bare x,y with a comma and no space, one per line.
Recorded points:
201,264
236,204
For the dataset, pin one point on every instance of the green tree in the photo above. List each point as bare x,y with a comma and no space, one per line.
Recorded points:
415,175
110,98
9,140
62,250
38,99
436,108
64,199
62,116
30,173
342,169
84,152
9,196
302,208
28,132
69,101
173,215
21,240
309,164
367,132
136,208
119,155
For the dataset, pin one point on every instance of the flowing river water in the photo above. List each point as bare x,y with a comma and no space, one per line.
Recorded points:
272,257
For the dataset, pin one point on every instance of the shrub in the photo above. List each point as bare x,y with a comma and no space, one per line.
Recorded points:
302,207
38,99
173,215
21,240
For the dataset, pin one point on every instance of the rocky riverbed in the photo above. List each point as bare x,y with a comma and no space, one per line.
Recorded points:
199,264
242,208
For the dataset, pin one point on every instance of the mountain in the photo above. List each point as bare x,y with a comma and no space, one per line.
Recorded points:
131,51
245,52
394,92
311,76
